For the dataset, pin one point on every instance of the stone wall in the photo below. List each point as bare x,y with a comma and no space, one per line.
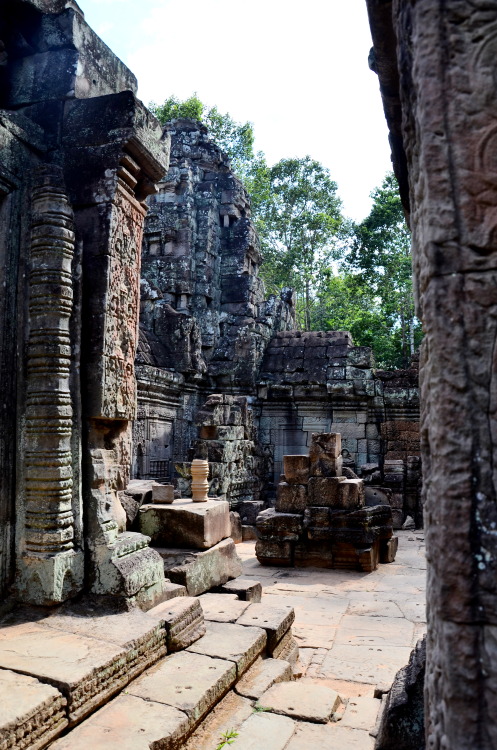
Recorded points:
80,154
436,68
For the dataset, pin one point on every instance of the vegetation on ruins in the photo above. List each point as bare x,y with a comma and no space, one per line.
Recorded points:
227,738
346,276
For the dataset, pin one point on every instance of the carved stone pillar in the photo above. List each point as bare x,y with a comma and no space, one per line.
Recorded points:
50,567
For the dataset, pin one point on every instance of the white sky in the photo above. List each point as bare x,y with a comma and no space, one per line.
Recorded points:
297,70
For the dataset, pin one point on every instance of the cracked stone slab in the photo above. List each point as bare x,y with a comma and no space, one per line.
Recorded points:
265,730
183,621
369,664
276,621
236,643
190,682
128,723
262,675
222,607
331,737
302,700
87,671
32,714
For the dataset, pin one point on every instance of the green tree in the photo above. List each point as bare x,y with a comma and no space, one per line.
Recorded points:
380,257
298,216
236,139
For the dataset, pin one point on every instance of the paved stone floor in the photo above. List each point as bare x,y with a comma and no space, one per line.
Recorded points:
354,630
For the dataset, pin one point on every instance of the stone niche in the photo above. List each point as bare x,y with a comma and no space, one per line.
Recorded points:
80,154
210,341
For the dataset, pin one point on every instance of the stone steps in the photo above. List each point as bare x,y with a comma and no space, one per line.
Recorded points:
63,671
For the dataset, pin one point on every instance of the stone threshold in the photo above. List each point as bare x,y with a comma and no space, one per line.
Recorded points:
168,667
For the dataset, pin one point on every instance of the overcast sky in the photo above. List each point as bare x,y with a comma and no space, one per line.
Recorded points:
297,70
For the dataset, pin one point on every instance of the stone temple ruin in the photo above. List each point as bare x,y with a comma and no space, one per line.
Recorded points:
135,338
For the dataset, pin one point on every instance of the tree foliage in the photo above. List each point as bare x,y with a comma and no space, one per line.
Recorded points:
298,216
236,139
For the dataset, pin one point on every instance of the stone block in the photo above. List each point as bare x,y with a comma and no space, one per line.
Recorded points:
313,553
261,676
274,526
377,495
85,670
276,621
287,649
246,589
236,527
129,723
329,443
186,524
235,643
265,730
296,469
32,713
274,553
188,681
316,517
183,621
249,533
302,700
325,458
162,493
201,571
291,498
222,607
325,491
249,510
351,494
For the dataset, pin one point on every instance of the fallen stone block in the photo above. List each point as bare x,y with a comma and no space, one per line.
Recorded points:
302,700
236,527
129,723
246,589
172,590
276,621
274,553
238,644
32,714
183,620
186,524
281,527
325,491
162,493
291,498
249,533
190,682
388,549
222,607
201,571
261,676
296,469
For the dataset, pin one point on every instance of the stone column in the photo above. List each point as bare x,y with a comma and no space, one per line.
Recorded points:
50,567
444,108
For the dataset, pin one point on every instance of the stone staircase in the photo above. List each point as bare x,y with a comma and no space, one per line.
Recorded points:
135,679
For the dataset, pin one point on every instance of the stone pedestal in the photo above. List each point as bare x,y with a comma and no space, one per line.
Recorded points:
186,523
200,485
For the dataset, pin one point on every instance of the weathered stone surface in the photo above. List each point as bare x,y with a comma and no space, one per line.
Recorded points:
402,723
302,700
186,523
32,713
325,459
201,571
296,469
333,735
265,730
274,553
240,645
190,682
235,527
325,491
361,713
261,676
276,621
291,498
388,549
162,493
183,621
129,723
246,589
85,670
281,527
222,607
225,717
